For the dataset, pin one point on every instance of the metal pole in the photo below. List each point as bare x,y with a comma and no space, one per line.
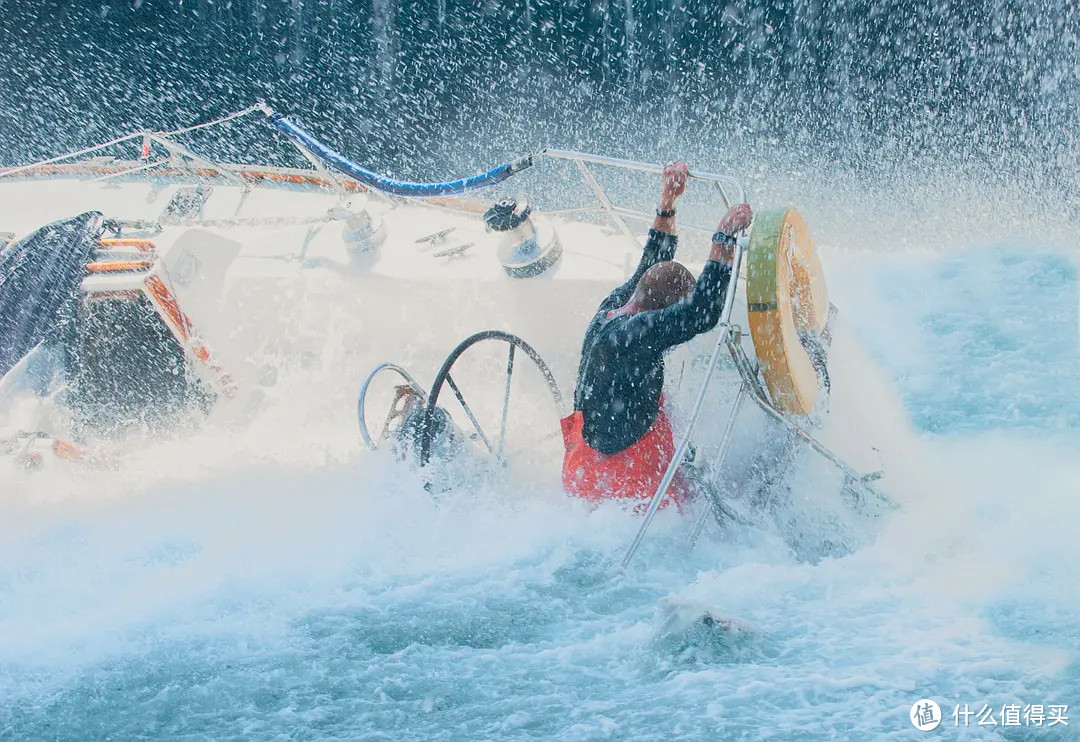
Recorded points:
506,401
207,124
721,455
605,202
741,364
680,451
319,166
178,149
811,441
645,167
729,434
469,412
723,194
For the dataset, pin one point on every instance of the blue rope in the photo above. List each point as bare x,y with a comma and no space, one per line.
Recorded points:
389,185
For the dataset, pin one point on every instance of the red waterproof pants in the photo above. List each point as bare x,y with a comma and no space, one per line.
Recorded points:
631,474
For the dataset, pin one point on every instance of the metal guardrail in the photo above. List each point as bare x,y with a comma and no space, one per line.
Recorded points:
161,137
619,214
751,388
738,194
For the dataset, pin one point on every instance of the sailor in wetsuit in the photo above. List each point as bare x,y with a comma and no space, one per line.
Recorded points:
618,440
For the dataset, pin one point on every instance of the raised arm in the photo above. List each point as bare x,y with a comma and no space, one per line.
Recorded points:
674,185
662,241
736,220
700,311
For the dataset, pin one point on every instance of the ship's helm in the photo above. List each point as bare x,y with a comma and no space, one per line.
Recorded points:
422,431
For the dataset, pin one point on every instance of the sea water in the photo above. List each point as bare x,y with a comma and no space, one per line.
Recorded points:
274,586
273,582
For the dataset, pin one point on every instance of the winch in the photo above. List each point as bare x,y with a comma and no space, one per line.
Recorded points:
526,248
363,231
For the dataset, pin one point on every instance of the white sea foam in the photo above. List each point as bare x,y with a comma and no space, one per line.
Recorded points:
272,580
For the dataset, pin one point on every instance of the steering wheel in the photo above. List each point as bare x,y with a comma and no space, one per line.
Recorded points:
444,378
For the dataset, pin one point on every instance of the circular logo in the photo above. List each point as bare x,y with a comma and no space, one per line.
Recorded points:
925,715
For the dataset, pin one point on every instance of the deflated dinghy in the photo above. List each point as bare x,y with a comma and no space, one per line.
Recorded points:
40,275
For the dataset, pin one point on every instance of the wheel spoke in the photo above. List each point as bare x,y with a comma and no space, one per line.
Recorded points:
468,412
506,400
442,378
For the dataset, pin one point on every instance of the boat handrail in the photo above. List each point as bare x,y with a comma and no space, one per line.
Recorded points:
738,195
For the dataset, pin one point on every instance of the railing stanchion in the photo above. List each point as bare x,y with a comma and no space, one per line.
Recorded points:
680,451
602,197
715,506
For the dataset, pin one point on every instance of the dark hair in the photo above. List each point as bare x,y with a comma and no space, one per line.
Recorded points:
662,285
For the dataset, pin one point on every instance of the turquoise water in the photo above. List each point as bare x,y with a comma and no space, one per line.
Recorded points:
341,602
988,338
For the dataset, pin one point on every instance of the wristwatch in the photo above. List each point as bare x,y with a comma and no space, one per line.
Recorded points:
665,214
723,238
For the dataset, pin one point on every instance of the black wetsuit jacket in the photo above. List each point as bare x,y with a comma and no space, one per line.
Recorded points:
621,374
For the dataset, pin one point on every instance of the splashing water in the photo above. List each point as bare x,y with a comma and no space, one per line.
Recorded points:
273,582
317,594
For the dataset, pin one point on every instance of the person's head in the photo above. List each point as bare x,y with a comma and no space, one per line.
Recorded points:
662,285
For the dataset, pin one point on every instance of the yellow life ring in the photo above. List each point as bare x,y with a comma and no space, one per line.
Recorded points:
786,296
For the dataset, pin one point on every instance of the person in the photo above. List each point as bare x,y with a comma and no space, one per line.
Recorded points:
619,439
